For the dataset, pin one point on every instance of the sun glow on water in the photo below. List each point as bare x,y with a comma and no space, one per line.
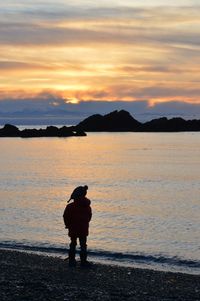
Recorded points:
144,189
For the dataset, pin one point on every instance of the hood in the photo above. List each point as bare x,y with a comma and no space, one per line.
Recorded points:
83,201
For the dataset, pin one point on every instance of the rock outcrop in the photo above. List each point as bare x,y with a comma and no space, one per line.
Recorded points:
122,121
51,131
171,125
117,121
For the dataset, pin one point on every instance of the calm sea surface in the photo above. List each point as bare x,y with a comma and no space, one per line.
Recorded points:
144,188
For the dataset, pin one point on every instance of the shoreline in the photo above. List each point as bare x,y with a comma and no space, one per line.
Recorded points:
26,276
107,260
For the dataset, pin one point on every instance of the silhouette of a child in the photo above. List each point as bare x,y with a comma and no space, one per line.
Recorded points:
77,216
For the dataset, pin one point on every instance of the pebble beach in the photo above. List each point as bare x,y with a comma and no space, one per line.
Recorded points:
32,277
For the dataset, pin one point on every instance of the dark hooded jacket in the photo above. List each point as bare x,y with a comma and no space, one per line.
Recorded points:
77,216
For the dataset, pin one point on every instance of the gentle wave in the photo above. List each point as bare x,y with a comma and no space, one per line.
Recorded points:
173,263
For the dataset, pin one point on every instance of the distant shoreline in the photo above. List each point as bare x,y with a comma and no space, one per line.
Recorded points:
36,277
116,121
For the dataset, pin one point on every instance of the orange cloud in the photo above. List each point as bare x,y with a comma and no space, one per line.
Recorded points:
101,53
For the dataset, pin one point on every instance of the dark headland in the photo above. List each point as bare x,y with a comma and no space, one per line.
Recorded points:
116,121
122,121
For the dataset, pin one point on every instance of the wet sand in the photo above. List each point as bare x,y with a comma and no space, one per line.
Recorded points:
34,277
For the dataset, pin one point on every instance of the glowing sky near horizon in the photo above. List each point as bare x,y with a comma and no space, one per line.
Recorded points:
112,50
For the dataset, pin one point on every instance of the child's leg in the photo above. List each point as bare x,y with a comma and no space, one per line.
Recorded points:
72,250
83,245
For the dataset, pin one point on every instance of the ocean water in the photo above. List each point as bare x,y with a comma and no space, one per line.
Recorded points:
144,189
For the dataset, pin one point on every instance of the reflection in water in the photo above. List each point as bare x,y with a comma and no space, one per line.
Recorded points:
144,189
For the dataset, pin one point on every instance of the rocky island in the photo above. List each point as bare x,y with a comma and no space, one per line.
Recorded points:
51,131
122,121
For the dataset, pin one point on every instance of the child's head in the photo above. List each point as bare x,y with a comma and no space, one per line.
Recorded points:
79,192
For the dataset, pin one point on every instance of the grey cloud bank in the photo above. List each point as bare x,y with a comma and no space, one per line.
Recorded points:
57,111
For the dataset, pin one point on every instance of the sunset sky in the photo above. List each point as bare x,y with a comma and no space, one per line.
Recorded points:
80,51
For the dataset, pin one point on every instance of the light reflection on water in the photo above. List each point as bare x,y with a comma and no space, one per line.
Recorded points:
144,188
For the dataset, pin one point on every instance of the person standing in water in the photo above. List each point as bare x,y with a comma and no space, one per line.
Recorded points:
77,216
